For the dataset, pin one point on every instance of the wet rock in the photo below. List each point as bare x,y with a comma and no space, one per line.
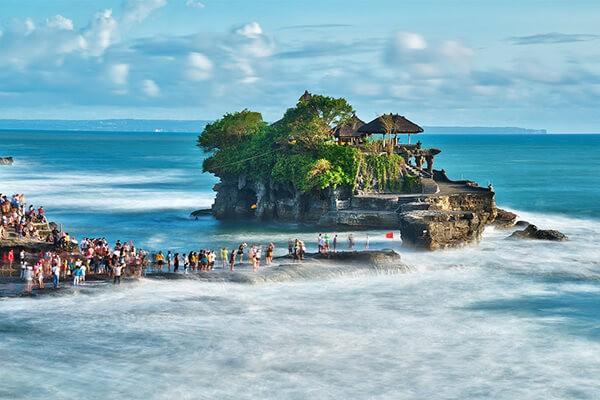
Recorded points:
435,229
202,213
504,219
522,224
532,232
6,160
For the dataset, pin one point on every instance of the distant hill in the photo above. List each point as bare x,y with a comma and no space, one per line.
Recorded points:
167,125
113,125
482,130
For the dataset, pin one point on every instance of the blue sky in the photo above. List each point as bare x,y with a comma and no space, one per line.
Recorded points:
439,62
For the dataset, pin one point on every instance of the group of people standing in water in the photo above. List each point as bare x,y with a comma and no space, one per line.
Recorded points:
70,259
95,256
205,260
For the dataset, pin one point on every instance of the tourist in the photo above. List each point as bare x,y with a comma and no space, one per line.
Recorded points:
269,254
160,260
41,214
11,258
23,268
169,260
241,252
38,272
211,259
186,263
322,245
367,243
22,256
351,241
203,261
55,276
290,247
117,271
251,254
296,250
224,255
232,257
335,239
77,273
28,276
194,261
176,263
257,255
82,271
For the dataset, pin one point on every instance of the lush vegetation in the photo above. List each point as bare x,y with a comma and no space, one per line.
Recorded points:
298,149
383,172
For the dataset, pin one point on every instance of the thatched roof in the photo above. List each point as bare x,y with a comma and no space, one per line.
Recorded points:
349,128
398,123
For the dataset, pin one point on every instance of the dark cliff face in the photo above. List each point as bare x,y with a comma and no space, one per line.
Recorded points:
243,198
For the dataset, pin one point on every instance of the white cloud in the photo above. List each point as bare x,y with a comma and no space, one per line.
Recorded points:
199,67
101,33
60,22
410,41
118,73
150,88
29,26
194,4
139,10
251,30
411,53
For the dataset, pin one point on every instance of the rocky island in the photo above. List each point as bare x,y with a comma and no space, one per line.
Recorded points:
321,164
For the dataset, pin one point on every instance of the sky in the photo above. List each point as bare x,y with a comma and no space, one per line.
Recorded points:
438,62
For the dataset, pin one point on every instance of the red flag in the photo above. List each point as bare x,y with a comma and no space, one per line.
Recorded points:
389,235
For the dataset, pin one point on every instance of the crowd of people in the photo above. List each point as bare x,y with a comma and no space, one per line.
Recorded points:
94,256
205,260
17,217
74,260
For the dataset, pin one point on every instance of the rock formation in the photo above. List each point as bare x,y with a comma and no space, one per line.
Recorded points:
504,219
532,232
451,214
6,160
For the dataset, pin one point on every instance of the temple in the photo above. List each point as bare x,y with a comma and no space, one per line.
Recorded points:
390,183
356,132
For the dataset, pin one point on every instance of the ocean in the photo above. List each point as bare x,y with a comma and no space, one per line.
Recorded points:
503,319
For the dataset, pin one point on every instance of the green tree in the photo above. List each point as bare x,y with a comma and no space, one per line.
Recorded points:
309,123
230,130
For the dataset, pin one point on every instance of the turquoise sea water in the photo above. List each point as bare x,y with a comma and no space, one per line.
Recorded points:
143,186
503,320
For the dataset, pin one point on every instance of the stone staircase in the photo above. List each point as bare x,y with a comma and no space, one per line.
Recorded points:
43,229
375,210
382,210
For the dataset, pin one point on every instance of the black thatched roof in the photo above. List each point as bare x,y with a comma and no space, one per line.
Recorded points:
349,128
398,123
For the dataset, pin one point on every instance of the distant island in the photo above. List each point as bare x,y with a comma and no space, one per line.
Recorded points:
195,126
105,125
482,130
